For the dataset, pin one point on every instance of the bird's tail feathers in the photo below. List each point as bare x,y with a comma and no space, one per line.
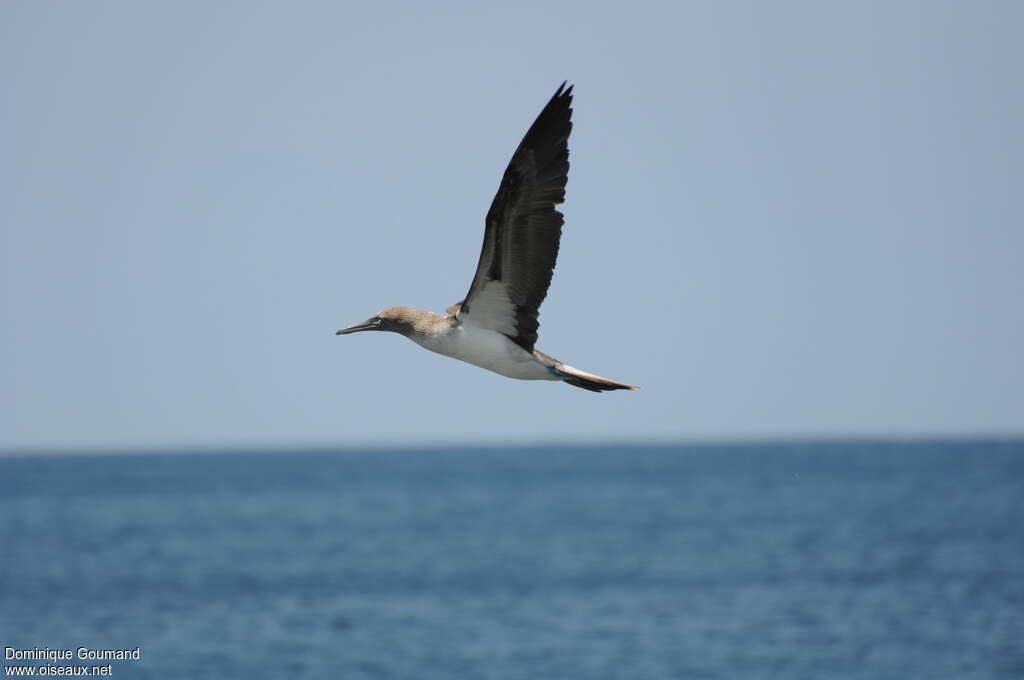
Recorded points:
589,381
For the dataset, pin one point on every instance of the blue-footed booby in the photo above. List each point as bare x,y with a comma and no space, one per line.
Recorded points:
495,326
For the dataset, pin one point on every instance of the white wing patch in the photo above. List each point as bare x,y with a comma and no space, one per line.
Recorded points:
491,308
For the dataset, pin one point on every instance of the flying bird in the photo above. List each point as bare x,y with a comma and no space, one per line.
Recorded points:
495,326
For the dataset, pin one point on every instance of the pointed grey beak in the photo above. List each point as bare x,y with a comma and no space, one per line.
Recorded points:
368,325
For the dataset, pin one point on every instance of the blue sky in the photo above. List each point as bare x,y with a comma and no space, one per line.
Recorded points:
782,219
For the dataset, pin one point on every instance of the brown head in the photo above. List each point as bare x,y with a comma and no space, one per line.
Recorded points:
404,320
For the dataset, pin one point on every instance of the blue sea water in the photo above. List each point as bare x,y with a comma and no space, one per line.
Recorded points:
852,560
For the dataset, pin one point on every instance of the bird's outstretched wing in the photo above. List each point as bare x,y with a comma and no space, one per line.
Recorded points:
523,230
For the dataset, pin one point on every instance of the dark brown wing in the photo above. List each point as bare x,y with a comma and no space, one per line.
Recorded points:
523,229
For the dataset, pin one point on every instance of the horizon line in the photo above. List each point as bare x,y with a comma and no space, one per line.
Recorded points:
723,441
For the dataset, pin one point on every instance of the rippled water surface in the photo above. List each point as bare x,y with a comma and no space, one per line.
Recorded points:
813,560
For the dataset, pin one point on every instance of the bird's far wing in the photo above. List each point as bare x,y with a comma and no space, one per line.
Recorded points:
523,229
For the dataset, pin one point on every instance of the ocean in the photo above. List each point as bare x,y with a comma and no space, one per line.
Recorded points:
835,560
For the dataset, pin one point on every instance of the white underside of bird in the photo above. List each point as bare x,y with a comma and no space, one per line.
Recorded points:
488,349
